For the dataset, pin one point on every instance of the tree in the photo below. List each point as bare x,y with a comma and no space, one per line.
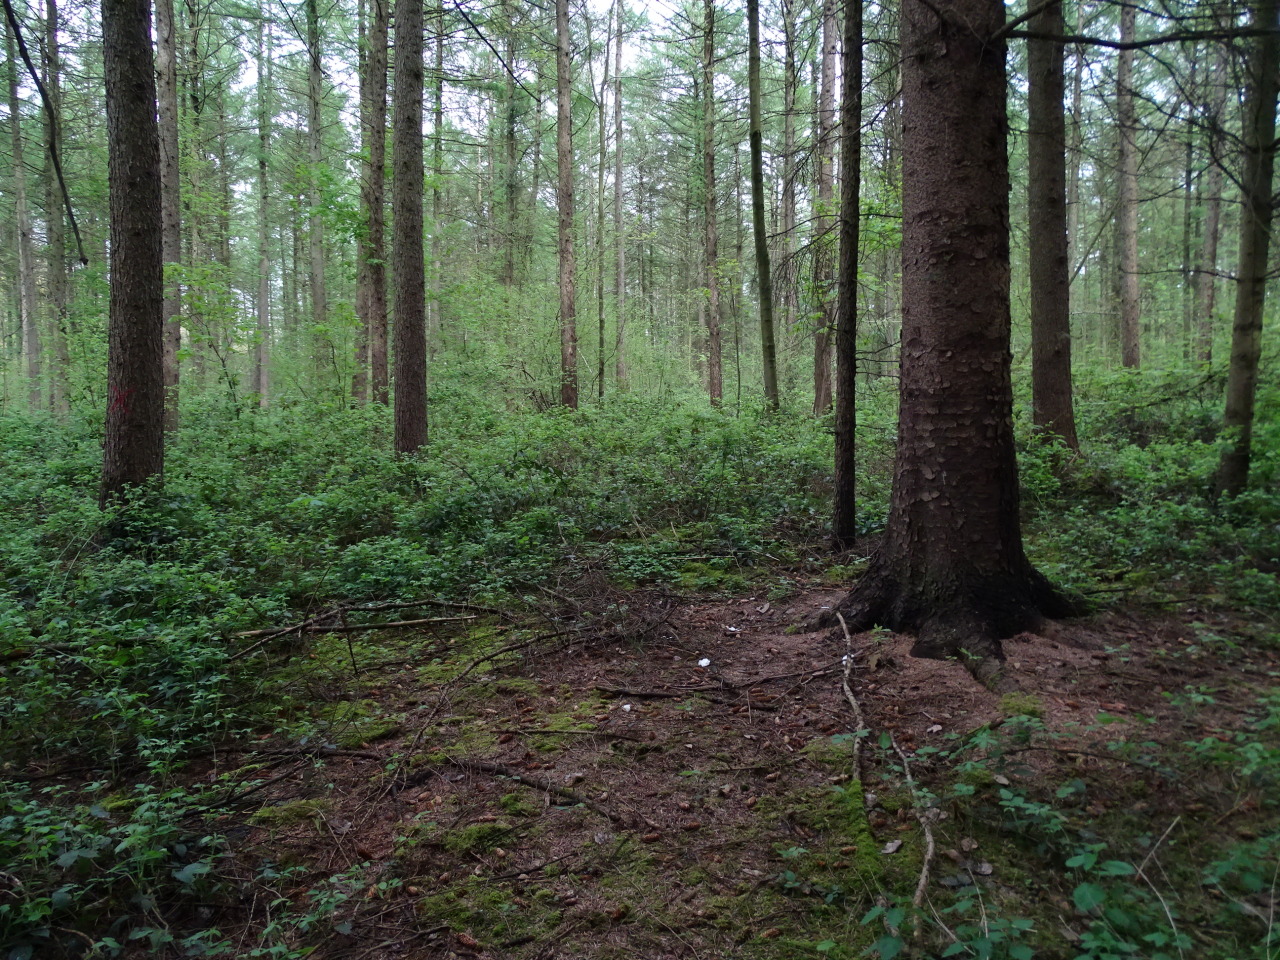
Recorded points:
619,226
170,199
262,345
1255,238
1130,302
769,352
951,568
371,276
28,325
711,235
133,451
406,203
315,157
824,255
844,522
564,205
59,290
1048,258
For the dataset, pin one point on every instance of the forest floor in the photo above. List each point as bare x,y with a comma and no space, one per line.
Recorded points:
640,774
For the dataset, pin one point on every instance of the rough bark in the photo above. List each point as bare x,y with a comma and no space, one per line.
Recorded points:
564,205
133,451
844,520
170,199
1255,239
764,276
711,235
406,205
1130,293
619,227
28,325
371,254
951,567
824,253
1048,255
262,348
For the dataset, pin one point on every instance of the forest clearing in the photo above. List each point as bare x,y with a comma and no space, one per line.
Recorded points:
589,480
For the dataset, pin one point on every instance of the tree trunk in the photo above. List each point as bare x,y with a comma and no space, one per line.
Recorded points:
371,254
315,158
601,162
406,204
769,352
951,568
1211,197
1130,302
564,204
170,199
437,182
1255,238
262,348
28,326
133,451
56,239
619,227
1050,269
824,255
715,385
790,80
844,522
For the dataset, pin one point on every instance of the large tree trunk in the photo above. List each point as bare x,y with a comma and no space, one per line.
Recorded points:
769,352
315,157
59,288
1130,293
951,568
1048,256
715,384
133,451
26,257
170,199
564,204
619,227
844,521
824,254
371,275
406,208
262,348
1255,238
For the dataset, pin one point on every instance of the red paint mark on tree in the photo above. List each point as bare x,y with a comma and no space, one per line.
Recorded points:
120,399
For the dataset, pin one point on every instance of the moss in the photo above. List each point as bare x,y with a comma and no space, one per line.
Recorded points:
1017,704
476,838
517,805
294,812
489,911
843,574
835,751
354,723
704,576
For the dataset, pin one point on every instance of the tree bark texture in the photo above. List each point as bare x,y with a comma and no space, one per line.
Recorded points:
59,287
315,159
619,225
844,520
371,253
170,199
564,205
951,568
262,348
1049,262
28,325
715,382
1130,292
769,352
1255,238
1211,228
133,451
406,204
824,252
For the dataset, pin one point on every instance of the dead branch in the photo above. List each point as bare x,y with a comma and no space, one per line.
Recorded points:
357,627
534,783
922,815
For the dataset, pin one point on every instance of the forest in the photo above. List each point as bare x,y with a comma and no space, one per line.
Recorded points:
593,479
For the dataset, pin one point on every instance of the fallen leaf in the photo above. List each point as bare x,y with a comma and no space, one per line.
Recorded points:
893,846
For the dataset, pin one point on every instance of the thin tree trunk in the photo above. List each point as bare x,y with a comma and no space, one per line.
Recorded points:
171,200
1048,255
262,348
619,227
1130,303
768,350
1206,278
371,251
1075,152
315,157
30,330
824,255
133,450
56,239
1255,238
601,163
844,522
564,204
715,386
406,203
437,182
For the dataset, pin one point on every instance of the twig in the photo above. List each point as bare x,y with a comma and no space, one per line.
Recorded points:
578,733
357,627
858,720
1168,914
535,784
929,847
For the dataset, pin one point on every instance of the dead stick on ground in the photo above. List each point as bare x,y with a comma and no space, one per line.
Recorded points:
535,784
859,723
311,627
929,848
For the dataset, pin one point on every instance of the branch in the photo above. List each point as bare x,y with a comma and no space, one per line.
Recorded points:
1178,36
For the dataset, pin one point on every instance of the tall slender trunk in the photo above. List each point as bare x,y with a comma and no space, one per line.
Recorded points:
601,163
1075,150
768,350
406,204
371,254
315,157
1255,239
262,348
619,227
170,199
56,239
1130,302
715,386
844,521
1048,255
824,255
26,262
787,228
564,203
1211,197
437,181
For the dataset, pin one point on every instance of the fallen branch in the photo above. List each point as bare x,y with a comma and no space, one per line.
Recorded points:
859,723
536,784
929,846
359,627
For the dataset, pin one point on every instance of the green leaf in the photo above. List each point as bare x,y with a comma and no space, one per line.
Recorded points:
1020,951
888,947
191,872
1117,868
826,946
1088,897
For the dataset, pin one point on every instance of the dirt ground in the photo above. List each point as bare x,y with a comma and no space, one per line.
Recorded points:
660,777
